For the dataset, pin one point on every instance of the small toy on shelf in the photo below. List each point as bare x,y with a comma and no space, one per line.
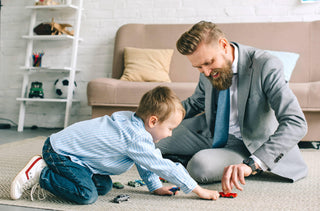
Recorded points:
46,2
36,90
66,2
121,198
53,29
37,57
58,29
118,185
61,87
228,195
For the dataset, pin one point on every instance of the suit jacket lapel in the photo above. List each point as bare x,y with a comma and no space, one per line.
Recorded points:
244,80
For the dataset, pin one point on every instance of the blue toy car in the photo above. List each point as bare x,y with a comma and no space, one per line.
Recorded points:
141,182
174,190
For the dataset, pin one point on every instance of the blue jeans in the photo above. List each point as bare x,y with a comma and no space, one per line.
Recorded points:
70,181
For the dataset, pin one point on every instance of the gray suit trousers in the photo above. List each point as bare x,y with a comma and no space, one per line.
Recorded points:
207,164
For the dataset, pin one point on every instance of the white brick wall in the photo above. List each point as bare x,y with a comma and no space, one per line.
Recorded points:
101,19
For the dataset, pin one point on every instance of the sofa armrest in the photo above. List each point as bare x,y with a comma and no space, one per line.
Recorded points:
307,94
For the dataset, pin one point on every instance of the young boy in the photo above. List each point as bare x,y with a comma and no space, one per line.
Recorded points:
78,160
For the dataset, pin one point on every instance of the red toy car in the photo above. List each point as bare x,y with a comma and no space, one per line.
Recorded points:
228,195
163,180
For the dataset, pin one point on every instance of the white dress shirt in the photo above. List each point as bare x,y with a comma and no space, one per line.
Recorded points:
234,127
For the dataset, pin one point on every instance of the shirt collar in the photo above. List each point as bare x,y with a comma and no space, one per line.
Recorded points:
235,61
136,118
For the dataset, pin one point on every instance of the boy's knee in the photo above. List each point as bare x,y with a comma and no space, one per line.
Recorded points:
103,190
88,198
103,183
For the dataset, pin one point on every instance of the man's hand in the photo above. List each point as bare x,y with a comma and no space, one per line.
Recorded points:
232,175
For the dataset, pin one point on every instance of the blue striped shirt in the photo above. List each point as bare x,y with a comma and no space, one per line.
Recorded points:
110,145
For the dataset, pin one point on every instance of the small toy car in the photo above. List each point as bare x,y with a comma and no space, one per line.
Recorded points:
133,184
36,90
163,180
228,195
117,185
141,182
174,190
120,198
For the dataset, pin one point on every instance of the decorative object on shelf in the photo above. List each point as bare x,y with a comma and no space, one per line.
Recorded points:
36,58
53,29
61,87
47,2
43,29
59,29
66,2
36,90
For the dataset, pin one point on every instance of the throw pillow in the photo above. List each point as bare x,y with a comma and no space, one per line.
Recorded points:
151,65
289,61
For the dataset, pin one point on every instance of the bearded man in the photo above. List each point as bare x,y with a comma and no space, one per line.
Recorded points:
264,119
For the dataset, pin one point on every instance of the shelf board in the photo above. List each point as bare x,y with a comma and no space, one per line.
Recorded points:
48,69
56,100
53,7
48,37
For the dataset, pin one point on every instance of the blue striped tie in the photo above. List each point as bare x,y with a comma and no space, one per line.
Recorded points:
221,129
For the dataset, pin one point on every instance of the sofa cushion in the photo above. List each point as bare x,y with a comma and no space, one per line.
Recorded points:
150,65
288,60
109,91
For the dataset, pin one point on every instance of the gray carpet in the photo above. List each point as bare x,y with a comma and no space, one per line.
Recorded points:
265,192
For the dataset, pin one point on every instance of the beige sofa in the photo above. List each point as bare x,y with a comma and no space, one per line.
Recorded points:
107,95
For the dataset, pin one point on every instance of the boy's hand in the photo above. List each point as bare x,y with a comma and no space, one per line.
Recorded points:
206,194
165,191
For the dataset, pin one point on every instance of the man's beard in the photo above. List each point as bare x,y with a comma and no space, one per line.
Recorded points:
224,79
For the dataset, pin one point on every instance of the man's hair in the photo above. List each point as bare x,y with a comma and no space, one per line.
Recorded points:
161,102
201,31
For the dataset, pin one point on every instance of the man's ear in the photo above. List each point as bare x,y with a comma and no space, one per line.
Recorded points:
223,42
152,121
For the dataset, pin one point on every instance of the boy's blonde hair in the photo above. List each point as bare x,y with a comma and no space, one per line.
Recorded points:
161,102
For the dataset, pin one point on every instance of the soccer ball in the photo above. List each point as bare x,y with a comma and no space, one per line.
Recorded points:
61,87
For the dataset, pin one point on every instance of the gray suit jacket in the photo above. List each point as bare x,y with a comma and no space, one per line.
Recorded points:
271,120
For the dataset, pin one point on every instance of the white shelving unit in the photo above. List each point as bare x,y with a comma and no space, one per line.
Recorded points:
29,69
